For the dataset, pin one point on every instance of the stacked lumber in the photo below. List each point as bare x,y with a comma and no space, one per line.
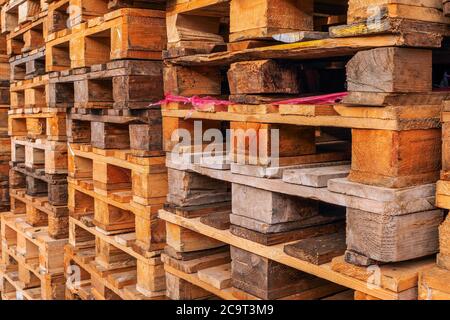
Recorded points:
281,210
106,69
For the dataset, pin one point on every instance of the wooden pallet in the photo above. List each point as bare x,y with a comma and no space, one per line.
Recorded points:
17,13
49,125
122,191
117,35
39,212
400,284
29,94
203,27
31,259
51,156
116,271
28,65
118,84
365,204
28,37
61,18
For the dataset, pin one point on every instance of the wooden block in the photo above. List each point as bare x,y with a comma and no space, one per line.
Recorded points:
109,135
266,278
150,277
185,240
218,220
270,207
258,143
150,231
110,218
393,238
109,258
108,177
93,93
318,250
150,188
397,157
57,194
145,139
179,289
390,70
263,77
58,225
78,131
425,10
183,81
219,277
263,18
193,29
35,217
188,189
36,187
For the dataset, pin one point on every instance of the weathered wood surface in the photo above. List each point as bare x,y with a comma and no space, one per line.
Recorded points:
390,70
187,189
263,18
387,238
395,159
266,278
315,177
318,250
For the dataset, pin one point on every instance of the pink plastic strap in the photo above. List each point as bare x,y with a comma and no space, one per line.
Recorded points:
197,102
322,99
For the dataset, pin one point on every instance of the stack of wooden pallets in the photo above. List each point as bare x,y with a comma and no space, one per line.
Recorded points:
107,69
5,144
371,160
35,231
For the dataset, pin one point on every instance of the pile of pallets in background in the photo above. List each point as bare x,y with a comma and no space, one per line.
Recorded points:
107,70
253,229
35,231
